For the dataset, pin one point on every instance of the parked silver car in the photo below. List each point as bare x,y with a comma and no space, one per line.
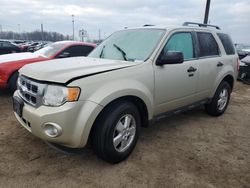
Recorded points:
132,79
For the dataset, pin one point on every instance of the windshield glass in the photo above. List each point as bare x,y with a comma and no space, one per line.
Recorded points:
50,50
129,45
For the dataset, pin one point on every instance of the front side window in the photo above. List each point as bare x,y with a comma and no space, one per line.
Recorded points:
181,42
78,50
129,45
208,45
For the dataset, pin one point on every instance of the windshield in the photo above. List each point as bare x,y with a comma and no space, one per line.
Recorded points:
50,50
129,45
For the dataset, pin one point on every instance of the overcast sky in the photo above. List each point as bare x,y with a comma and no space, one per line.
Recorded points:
233,16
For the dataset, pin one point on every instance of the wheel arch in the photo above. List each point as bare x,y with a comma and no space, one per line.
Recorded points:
137,101
229,78
10,76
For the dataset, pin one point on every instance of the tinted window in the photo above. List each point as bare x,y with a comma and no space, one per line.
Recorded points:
86,50
7,45
208,45
227,43
181,42
80,50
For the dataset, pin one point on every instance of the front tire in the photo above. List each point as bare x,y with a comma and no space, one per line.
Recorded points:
116,131
220,101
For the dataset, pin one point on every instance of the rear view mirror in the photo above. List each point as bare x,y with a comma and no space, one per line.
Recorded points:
170,57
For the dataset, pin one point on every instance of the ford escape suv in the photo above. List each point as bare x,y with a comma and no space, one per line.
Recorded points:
132,79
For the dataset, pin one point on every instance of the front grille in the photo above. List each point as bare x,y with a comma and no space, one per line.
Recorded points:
30,91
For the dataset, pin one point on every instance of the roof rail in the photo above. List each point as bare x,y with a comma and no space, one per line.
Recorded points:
200,25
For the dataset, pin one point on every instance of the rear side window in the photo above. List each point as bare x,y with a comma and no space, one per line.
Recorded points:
181,42
227,43
7,44
208,45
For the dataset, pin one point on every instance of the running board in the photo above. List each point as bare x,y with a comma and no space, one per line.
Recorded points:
178,111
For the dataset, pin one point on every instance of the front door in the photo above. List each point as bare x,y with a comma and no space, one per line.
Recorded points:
175,84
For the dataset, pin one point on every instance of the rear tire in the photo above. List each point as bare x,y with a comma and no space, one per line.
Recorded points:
13,82
220,101
116,131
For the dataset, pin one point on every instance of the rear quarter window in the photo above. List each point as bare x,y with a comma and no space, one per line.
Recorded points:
227,43
87,49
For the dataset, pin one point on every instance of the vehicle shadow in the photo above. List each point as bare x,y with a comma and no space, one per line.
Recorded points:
5,93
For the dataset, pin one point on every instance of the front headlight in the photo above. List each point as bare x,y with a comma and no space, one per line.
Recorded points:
58,95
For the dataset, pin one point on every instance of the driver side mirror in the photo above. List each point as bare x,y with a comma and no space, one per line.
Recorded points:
171,57
63,55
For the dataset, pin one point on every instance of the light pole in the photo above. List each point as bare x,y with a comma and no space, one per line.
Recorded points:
207,12
99,35
1,30
42,33
73,25
19,31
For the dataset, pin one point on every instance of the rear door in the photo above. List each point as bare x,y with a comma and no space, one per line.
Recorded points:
210,62
175,86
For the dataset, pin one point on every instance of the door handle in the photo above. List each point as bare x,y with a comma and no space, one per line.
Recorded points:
191,69
219,64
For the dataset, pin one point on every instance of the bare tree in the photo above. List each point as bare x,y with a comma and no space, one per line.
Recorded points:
35,35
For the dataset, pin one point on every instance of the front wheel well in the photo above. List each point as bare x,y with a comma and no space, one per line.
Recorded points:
11,75
12,81
139,103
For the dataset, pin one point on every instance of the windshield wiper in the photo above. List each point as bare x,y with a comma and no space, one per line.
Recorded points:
102,52
124,55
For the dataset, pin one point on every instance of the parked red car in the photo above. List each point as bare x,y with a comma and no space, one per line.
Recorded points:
11,63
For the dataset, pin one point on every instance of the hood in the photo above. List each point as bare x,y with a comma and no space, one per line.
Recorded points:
246,59
16,57
64,70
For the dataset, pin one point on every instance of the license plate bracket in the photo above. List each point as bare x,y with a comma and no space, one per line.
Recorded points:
18,106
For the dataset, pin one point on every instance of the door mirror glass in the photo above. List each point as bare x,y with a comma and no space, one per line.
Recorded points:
63,55
171,57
